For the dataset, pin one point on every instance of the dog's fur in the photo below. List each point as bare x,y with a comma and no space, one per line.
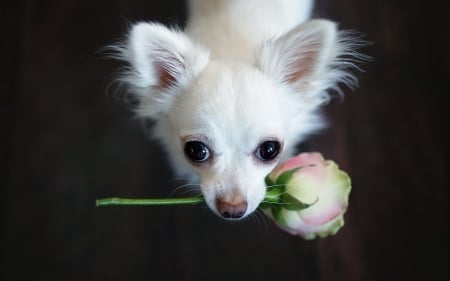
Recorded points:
242,75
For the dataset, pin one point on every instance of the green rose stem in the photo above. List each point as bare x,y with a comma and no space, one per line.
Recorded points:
271,197
115,201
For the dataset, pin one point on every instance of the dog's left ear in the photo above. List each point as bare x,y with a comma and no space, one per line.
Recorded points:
308,59
162,61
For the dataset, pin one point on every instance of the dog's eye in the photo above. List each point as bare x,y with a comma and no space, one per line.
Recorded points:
268,150
196,151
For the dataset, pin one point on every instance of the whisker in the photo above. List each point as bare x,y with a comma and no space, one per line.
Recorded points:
278,185
184,189
180,179
260,219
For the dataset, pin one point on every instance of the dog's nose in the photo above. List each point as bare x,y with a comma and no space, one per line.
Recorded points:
231,210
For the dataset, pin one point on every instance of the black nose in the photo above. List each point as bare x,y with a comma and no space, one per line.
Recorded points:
230,210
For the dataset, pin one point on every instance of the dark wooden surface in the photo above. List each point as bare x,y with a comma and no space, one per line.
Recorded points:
66,141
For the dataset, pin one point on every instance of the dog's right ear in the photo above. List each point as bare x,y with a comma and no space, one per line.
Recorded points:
162,61
312,58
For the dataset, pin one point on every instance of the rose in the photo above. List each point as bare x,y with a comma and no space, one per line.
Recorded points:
312,195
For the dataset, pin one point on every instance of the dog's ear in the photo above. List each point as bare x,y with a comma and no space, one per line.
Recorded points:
310,58
162,61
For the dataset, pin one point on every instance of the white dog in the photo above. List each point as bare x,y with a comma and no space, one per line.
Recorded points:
237,90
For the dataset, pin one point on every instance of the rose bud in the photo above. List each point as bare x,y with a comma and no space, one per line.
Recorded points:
307,196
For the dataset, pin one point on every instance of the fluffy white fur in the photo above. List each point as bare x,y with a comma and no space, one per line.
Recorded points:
243,71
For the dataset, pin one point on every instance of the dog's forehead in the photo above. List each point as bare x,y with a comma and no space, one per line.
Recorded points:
234,95
234,87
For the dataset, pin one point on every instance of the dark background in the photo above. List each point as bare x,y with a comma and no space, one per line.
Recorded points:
66,140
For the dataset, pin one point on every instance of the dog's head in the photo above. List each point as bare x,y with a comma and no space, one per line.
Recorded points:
232,121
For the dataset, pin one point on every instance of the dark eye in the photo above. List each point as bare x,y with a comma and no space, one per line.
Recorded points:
196,151
268,150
